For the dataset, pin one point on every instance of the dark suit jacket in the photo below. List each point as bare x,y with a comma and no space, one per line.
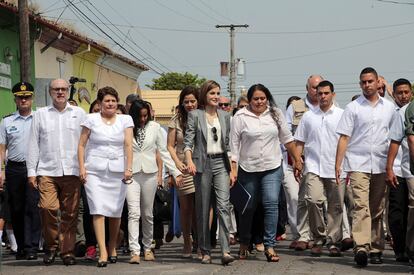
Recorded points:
196,137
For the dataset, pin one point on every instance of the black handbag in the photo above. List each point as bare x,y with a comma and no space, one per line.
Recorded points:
162,205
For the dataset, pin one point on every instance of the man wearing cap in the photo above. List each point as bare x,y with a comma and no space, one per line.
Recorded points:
52,168
14,137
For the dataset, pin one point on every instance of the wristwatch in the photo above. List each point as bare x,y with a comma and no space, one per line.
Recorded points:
129,170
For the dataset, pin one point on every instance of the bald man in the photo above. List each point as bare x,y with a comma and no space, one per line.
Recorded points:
295,193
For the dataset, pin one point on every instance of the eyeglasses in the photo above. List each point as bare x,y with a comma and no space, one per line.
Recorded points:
57,89
215,136
224,104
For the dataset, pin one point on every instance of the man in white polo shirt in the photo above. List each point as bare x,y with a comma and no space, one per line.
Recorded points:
364,129
316,134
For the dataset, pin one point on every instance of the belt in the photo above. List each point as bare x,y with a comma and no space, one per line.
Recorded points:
214,156
16,163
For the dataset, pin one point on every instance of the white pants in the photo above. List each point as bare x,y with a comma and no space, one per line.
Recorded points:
140,199
291,187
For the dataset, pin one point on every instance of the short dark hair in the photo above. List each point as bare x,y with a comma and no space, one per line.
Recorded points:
121,107
326,83
93,105
102,92
131,98
399,82
369,70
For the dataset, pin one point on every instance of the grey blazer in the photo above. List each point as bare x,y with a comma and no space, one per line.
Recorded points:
196,137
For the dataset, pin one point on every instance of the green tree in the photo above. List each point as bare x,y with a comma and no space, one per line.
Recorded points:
175,81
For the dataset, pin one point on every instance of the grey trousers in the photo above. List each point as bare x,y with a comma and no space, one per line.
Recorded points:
215,178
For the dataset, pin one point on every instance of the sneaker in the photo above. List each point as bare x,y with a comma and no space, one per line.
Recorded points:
90,254
149,256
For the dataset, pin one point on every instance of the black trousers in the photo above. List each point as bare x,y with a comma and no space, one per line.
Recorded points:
397,214
23,204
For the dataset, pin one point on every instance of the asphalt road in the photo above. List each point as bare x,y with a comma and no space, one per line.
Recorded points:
169,261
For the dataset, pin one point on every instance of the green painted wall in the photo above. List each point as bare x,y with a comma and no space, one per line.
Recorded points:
9,39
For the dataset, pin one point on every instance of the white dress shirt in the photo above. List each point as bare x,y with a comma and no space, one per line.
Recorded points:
368,128
317,129
144,159
53,142
397,132
255,140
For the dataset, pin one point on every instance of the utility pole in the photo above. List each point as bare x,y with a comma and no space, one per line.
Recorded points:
232,79
25,66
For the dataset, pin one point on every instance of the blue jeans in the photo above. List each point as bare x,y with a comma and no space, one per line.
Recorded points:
265,187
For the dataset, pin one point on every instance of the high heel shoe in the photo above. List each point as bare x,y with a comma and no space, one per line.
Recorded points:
226,259
271,256
102,264
113,259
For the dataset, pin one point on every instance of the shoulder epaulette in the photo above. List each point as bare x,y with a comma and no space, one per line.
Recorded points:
8,115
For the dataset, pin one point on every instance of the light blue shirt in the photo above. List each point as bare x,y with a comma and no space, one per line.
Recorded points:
14,134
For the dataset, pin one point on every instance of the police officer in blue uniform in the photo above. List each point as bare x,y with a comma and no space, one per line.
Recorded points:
22,199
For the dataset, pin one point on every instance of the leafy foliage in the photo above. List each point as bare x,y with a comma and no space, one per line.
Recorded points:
175,81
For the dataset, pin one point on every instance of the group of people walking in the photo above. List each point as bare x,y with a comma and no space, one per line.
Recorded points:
319,155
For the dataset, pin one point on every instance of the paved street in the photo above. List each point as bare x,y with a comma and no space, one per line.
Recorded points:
168,261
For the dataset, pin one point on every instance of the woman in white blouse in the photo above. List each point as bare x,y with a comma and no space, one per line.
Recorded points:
256,134
148,138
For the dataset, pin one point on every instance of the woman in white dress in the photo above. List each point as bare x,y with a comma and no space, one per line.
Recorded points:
147,139
106,141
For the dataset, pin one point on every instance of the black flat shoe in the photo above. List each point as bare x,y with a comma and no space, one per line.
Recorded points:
361,258
31,256
102,264
69,260
375,258
113,259
49,257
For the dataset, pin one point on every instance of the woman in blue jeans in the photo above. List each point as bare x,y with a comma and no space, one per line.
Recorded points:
256,134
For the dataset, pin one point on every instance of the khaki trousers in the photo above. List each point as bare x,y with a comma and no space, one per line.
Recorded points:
302,217
369,193
319,191
410,218
59,193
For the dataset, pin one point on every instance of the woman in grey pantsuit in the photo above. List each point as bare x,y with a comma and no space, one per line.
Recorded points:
206,145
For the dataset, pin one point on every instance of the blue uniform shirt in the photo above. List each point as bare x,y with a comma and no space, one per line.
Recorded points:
14,134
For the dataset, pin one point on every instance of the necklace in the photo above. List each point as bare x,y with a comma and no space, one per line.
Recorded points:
108,121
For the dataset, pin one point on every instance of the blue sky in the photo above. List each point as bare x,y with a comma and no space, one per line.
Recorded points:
285,43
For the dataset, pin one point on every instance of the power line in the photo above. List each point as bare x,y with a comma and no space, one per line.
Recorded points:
396,2
47,10
260,32
155,45
327,51
110,37
126,37
181,14
202,11
216,12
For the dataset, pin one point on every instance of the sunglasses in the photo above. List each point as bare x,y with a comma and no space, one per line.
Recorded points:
215,136
224,104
